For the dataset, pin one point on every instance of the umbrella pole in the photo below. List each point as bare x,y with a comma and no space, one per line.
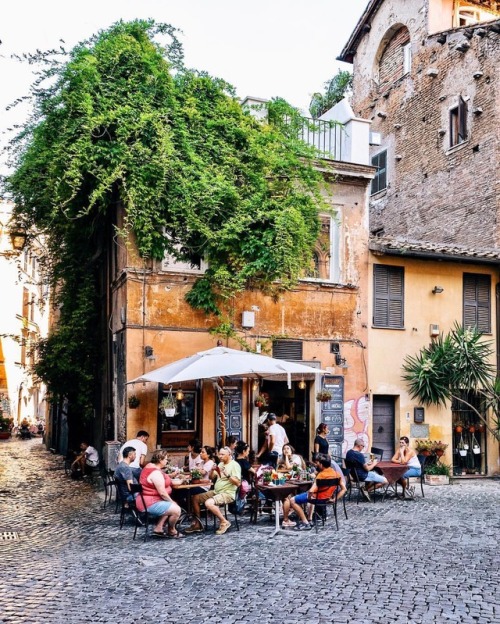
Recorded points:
220,410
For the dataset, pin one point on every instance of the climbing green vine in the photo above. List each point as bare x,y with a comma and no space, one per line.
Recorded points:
119,121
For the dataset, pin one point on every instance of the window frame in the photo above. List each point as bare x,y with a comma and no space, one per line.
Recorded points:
458,123
406,47
477,307
388,306
381,173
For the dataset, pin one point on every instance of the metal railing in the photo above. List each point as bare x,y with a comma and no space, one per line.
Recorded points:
325,136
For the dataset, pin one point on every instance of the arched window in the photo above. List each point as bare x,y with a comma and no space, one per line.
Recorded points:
394,57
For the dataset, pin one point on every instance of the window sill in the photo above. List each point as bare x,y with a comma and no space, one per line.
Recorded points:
386,327
379,194
456,148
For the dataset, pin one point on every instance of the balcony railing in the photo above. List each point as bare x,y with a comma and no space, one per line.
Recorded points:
325,136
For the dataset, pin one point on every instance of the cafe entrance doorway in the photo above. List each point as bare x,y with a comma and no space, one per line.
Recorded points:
291,406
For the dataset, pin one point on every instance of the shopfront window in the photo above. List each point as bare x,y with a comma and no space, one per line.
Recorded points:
184,418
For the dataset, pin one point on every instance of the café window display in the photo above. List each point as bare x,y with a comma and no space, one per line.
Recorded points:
178,418
469,437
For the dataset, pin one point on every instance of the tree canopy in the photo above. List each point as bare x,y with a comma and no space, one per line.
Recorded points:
335,90
121,121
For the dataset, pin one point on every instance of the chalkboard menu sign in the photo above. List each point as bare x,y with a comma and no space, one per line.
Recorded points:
233,410
332,412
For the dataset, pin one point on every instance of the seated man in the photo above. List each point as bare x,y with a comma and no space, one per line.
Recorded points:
141,448
364,469
124,475
223,492
87,459
326,472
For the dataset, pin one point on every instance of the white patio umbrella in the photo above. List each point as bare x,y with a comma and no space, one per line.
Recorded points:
225,362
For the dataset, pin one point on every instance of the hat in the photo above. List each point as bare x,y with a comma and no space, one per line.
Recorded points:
271,416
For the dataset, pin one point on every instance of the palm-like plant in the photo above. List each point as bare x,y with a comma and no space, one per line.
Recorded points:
451,364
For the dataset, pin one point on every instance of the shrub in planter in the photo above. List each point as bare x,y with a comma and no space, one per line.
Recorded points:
133,401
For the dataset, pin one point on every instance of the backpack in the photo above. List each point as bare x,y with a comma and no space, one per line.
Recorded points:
241,497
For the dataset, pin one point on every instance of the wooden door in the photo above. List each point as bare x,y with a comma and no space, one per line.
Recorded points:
383,424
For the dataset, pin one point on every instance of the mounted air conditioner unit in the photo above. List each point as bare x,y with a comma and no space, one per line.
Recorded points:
433,330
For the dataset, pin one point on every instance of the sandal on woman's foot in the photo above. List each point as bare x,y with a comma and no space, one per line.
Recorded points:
288,523
158,534
175,535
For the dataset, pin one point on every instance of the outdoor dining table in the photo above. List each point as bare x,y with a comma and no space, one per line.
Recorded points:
392,472
189,516
278,493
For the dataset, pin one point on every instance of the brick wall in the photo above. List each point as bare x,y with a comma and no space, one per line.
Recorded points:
391,61
435,193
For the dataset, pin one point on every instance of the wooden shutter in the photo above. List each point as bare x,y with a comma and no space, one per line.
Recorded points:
477,302
388,304
287,349
462,120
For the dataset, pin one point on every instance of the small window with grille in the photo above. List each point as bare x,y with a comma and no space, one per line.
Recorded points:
287,349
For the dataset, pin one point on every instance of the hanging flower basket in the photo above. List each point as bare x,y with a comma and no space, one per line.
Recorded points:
169,404
324,396
133,401
261,401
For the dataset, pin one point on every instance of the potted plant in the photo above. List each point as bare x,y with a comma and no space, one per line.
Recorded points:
324,396
261,401
5,427
267,476
438,448
169,405
133,401
437,474
423,447
196,475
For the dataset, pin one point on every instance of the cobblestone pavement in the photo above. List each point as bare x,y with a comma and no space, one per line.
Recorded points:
430,560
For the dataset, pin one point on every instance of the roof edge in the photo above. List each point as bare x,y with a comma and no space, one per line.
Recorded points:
347,54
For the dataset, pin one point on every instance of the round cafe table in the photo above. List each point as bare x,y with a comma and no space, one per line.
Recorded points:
392,472
278,493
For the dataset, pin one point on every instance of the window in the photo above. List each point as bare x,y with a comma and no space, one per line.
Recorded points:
287,349
406,58
458,123
388,297
379,182
468,17
477,302
325,264
184,418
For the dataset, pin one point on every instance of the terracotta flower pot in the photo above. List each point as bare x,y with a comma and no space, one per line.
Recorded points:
472,428
425,453
459,428
439,452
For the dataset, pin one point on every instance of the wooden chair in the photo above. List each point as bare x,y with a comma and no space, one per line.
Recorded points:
354,482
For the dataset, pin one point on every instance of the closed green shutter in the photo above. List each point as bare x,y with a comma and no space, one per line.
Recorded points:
388,304
477,302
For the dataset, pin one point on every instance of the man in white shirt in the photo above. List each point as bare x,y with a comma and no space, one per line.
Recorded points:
275,439
88,457
141,448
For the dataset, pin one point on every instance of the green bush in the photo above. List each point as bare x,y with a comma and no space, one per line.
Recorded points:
438,469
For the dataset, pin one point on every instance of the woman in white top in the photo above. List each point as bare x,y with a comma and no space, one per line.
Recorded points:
207,454
406,455
289,458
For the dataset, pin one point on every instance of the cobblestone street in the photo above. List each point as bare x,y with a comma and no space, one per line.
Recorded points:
430,560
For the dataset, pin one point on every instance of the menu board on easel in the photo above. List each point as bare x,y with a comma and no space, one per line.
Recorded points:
332,412
233,410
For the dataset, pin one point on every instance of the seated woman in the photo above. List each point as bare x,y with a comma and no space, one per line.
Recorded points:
406,455
156,490
242,452
289,458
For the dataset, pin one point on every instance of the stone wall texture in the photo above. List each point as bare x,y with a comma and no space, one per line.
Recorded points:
433,193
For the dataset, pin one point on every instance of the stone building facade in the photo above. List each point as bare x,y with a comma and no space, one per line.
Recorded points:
426,74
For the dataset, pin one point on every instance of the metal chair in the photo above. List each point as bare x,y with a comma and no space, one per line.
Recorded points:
321,504
378,452
354,482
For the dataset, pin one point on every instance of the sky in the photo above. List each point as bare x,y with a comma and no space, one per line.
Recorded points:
264,48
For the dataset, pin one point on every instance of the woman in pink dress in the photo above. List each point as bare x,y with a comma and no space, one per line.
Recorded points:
156,490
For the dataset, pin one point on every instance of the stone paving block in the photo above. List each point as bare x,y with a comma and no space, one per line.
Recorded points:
417,561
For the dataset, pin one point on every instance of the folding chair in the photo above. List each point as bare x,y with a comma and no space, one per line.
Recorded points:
354,481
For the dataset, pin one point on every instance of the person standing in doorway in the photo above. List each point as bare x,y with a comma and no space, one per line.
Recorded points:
275,439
